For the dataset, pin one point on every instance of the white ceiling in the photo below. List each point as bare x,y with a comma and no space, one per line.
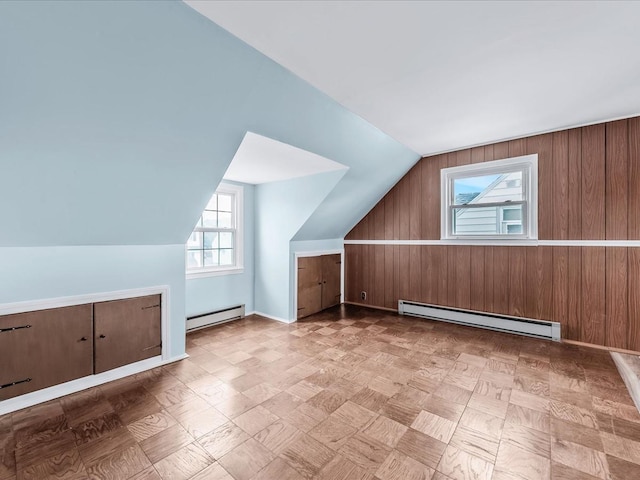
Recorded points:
439,76
261,160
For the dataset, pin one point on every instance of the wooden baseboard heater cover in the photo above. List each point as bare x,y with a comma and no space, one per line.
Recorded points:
214,318
490,321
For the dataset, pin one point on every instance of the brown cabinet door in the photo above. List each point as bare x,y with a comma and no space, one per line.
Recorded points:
330,280
126,331
44,348
309,286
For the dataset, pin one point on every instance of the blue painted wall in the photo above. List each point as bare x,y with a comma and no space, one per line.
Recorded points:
118,120
281,208
215,293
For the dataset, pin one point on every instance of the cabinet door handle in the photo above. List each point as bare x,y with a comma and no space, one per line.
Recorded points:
150,306
83,339
15,383
103,336
11,329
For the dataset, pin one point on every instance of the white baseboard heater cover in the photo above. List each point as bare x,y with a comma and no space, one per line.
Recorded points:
214,318
490,321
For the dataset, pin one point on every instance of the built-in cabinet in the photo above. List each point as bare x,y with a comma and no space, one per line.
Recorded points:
126,331
318,283
39,349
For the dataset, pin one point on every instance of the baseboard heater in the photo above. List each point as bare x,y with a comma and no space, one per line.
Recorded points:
214,318
490,321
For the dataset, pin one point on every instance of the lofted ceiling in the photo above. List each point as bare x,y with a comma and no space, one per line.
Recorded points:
438,76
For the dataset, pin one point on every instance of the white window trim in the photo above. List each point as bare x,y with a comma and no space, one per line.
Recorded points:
528,163
238,192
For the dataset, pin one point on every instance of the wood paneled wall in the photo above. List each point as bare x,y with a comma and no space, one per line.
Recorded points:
588,189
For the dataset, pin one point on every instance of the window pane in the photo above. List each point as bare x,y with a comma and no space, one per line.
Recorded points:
512,214
213,203
194,258
226,240
209,219
488,188
224,202
210,240
224,220
514,228
226,257
195,241
211,258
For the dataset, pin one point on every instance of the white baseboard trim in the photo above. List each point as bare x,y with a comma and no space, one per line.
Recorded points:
270,317
57,391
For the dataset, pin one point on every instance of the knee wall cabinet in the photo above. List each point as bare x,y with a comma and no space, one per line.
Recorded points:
42,348
318,283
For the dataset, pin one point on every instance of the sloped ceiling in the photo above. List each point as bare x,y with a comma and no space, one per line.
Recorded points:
442,75
119,119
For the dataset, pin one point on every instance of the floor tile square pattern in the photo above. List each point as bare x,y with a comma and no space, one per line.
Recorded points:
347,393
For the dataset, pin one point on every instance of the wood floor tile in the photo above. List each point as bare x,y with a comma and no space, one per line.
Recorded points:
150,425
341,468
562,472
121,464
481,422
183,463
460,465
246,460
326,401
236,405
365,451
572,413
148,473
261,392
443,408
525,438
434,426
201,422
370,399
302,421
475,443
528,400
166,442
93,429
421,447
254,420
453,393
304,390
573,432
529,418
223,439
386,431
215,471
332,432
67,466
278,469
400,467
523,464
353,414
276,436
84,406
620,469
33,453
580,458
306,455
282,404
621,447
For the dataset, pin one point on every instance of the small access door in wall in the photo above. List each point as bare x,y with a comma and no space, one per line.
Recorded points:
126,331
318,283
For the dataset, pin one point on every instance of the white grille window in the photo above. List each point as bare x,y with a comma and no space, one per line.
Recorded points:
215,244
491,200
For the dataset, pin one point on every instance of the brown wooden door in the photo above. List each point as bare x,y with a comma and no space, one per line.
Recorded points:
126,331
309,286
47,347
330,280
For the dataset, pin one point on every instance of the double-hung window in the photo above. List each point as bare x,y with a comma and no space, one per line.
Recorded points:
491,200
215,245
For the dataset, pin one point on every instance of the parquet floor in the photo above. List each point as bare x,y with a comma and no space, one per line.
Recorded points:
348,394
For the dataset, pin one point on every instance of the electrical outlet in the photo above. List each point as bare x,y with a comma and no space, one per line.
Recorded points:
363,295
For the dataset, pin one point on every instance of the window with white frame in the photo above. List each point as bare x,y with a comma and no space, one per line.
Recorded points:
491,200
215,245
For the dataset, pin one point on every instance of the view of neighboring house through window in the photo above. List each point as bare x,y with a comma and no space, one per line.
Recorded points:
215,246
490,200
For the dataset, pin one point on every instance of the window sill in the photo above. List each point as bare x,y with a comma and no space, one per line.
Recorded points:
193,274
